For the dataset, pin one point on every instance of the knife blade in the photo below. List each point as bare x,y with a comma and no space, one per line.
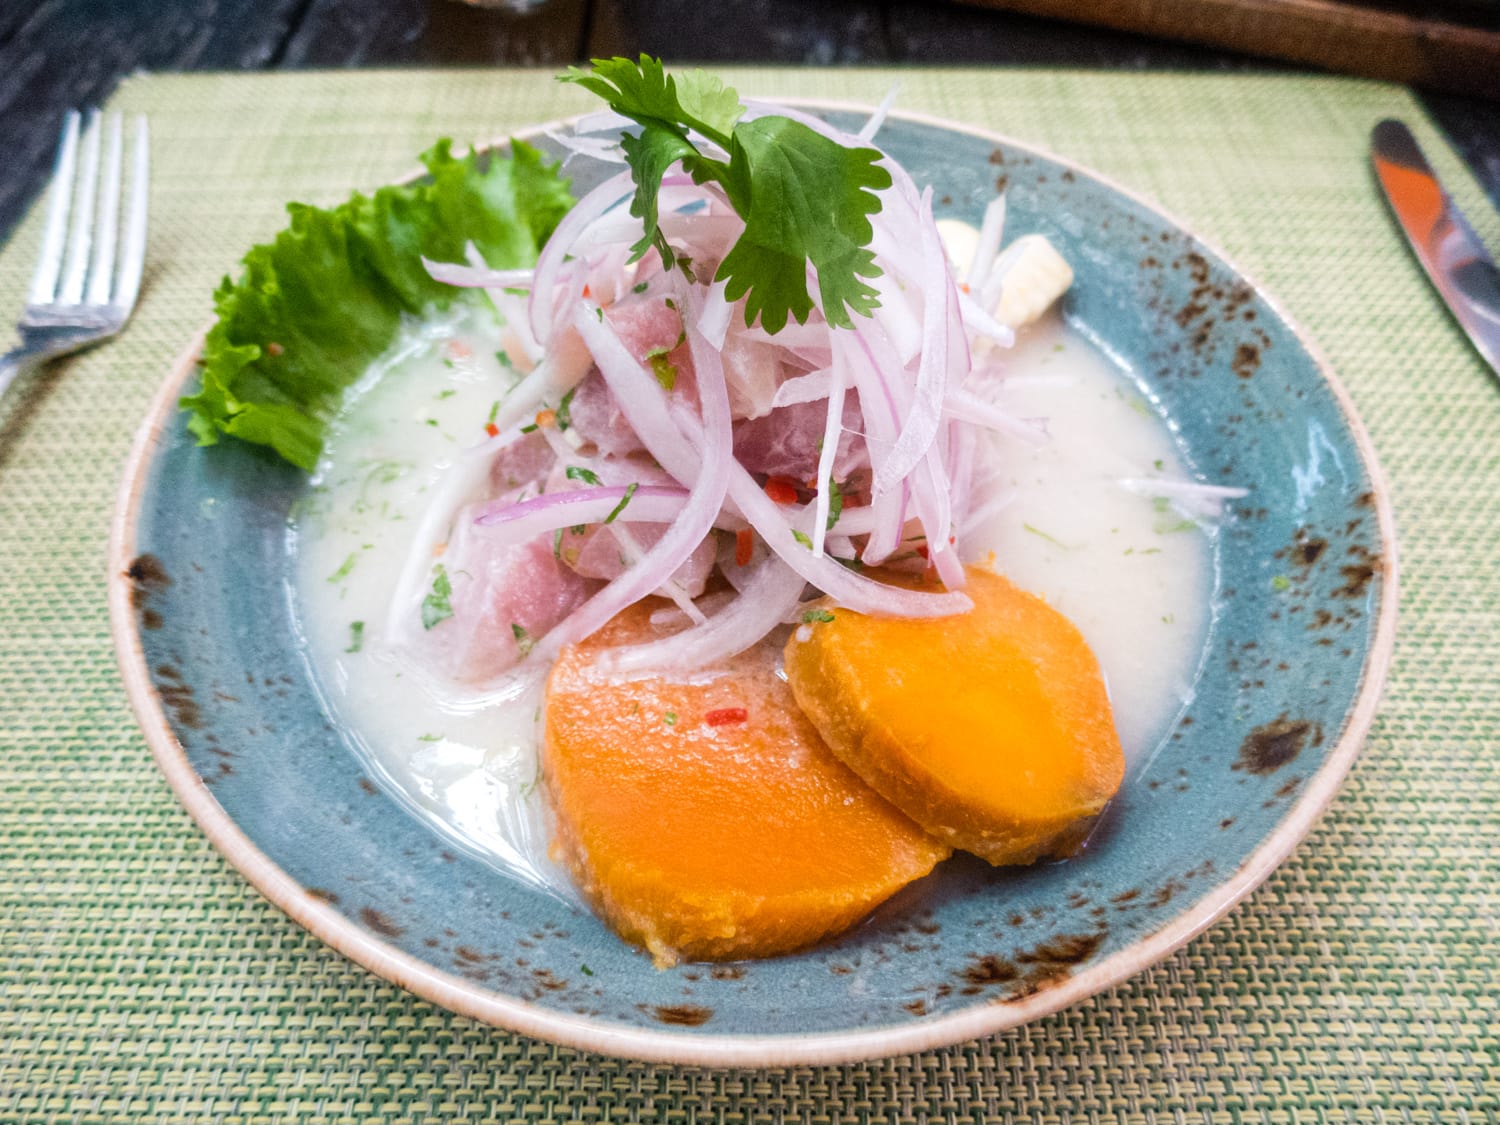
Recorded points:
1463,273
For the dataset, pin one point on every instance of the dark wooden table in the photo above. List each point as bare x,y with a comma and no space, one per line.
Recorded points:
73,52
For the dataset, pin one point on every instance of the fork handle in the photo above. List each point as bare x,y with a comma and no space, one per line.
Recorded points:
15,363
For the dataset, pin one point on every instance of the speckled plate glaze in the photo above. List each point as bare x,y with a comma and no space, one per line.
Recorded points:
203,614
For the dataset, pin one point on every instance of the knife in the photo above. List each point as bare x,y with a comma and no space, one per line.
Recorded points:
1464,275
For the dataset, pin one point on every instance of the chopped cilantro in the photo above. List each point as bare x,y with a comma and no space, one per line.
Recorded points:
504,360
432,421
523,639
1168,527
620,507
585,970
494,411
356,636
1050,539
435,606
663,368
640,287
430,738
578,528
670,718
801,537
343,571
531,429
820,615
557,543
1281,582
563,415
835,503
578,472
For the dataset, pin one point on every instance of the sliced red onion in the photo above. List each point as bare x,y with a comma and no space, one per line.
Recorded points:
472,277
609,152
968,407
982,323
640,397
939,297
868,130
568,508
579,218
771,592
717,312
858,593
833,430
1194,497
812,387
990,231
693,522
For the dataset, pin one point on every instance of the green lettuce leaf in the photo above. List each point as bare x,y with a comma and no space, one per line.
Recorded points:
322,300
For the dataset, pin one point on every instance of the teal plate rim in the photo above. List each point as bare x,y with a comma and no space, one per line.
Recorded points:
704,1047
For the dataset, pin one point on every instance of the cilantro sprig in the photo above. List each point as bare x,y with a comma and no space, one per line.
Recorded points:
805,198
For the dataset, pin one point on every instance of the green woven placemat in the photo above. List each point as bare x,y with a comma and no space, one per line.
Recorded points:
141,979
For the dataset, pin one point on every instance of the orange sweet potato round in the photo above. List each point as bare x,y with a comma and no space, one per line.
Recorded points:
991,729
704,818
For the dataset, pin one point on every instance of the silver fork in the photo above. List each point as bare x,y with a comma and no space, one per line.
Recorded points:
89,271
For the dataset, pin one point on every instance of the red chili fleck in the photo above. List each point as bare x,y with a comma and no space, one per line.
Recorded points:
492,429
921,549
744,544
586,291
725,715
781,490
273,349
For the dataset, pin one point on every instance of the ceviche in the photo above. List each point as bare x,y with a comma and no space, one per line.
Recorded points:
725,547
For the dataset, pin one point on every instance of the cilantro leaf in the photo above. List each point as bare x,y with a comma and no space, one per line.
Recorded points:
810,199
805,198
578,472
315,305
523,639
835,503
436,606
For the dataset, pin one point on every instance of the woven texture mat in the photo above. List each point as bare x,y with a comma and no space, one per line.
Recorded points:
141,979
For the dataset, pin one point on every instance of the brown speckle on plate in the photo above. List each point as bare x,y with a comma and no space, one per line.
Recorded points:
380,923
1272,745
683,1015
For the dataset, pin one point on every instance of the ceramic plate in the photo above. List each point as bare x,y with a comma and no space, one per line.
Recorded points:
1304,624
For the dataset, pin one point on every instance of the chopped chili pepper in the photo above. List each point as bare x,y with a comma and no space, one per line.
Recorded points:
492,429
546,418
921,550
586,291
744,544
781,490
725,715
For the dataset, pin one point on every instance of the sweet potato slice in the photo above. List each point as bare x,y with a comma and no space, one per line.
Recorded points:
992,729
704,818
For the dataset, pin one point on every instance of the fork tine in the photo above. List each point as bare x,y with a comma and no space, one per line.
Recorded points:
49,265
133,256
102,269
81,229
